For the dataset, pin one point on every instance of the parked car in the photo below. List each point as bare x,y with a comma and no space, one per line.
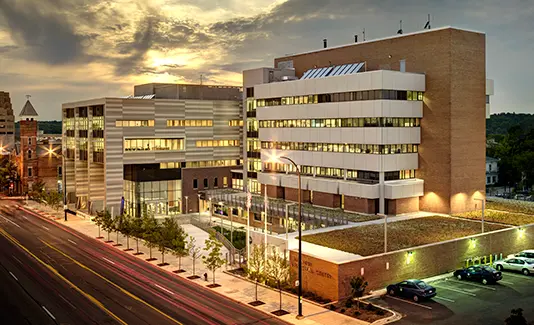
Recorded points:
529,253
413,289
521,264
481,273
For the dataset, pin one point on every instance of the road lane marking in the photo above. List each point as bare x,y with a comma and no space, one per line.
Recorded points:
506,282
68,302
72,241
162,288
17,259
49,313
455,290
45,228
53,270
410,302
128,293
443,298
10,221
13,275
473,284
518,276
25,217
105,259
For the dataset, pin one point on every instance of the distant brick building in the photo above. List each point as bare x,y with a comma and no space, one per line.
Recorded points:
38,159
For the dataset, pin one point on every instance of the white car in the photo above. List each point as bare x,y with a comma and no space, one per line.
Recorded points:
529,253
520,264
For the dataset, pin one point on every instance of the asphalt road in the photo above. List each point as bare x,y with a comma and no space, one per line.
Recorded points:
463,302
80,280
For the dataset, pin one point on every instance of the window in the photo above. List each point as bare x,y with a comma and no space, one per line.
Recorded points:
59,172
153,144
215,182
30,171
488,180
134,123
487,99
206,185
343,122
235,123
218,143
225,181
29,154
29,141
195,183
187,123
494,179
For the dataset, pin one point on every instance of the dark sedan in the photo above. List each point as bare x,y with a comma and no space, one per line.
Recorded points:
413,289
480,273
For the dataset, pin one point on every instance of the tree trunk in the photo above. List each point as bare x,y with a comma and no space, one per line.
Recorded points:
99,232
163,257
280,290
256,290
179,262
194,259
150,252
117,237
137,243
213,276
127,242
108,236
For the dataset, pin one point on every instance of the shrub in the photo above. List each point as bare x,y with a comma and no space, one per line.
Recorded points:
332,307
370,307
348,303
380,312
357,313
511,205
342,310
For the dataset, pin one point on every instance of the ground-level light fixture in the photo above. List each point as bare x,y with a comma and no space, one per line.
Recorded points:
521,232
409,257
473,242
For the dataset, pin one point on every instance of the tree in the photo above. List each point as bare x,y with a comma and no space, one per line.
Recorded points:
108,224
168,231
193,250
150,233
516,318
126,229
178,248
255,267
213,260
37,192
8,173
99,221
118,222
54,200
277,270
357,287
136,230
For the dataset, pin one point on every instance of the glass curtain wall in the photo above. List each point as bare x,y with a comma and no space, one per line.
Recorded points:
159,198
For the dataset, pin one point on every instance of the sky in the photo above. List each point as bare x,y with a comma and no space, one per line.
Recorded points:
61,51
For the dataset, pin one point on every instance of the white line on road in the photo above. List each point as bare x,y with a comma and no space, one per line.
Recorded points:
72,241
166,290
410,302
473,284
25,217
506,282
455,290
45,228
10,221
443,298
13,275
49,313
16,259
108,260
518,276
67,301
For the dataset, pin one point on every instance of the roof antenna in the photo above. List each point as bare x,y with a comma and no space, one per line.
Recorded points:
364,34
427,25
400,30
201,79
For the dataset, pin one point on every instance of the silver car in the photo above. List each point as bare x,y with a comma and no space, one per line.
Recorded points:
520,264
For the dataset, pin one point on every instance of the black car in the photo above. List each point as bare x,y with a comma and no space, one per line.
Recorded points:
480,273
413,289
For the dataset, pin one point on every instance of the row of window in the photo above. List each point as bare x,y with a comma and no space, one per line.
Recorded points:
153,144
217,143
206,183
339,147
339,173
343,122
136,123
199,164
197,123
342,97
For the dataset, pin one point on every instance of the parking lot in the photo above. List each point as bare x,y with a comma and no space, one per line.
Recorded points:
463,302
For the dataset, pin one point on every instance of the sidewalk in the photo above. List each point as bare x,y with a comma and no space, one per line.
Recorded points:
232,287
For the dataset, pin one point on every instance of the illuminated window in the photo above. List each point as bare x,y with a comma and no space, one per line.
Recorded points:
225,181
187,123
235,123
134,123
153,144
217,143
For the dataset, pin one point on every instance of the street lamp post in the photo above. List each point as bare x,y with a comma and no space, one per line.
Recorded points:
186,204
483,206
299,315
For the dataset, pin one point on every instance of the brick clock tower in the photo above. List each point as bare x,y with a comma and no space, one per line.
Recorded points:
28,145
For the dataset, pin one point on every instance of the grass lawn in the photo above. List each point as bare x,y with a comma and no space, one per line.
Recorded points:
508,218
361,217
510,205
369,240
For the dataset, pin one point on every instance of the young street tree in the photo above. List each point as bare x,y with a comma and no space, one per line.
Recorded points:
255,268
108,224
168,231
277,270
213,260
137,232
126,229
54,199
118,224
150,234
99,221
193,251
179,249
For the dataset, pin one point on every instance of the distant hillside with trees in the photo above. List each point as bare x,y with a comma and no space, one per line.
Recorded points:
499,124
48,127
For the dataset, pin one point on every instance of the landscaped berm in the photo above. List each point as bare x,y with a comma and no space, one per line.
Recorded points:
369,240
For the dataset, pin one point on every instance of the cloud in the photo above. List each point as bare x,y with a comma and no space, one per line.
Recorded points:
49,37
